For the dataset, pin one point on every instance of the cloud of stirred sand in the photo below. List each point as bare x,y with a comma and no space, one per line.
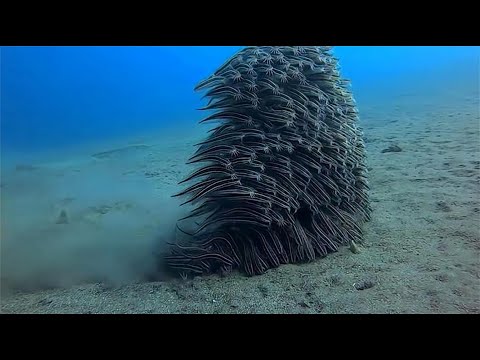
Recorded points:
116,224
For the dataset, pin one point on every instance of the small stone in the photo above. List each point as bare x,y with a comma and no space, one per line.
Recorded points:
364,284
263,290
334,280
45,302
443,206
62,218
319,306
235,304
442,277
392,148
303,304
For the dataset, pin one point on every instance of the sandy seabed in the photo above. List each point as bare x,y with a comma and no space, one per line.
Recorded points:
421,252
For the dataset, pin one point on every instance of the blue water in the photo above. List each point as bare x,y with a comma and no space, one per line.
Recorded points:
52,97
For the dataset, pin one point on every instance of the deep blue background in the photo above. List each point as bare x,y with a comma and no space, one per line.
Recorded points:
54,96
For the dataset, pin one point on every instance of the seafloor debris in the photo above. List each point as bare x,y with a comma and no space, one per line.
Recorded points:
392,148
364,284
442,206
